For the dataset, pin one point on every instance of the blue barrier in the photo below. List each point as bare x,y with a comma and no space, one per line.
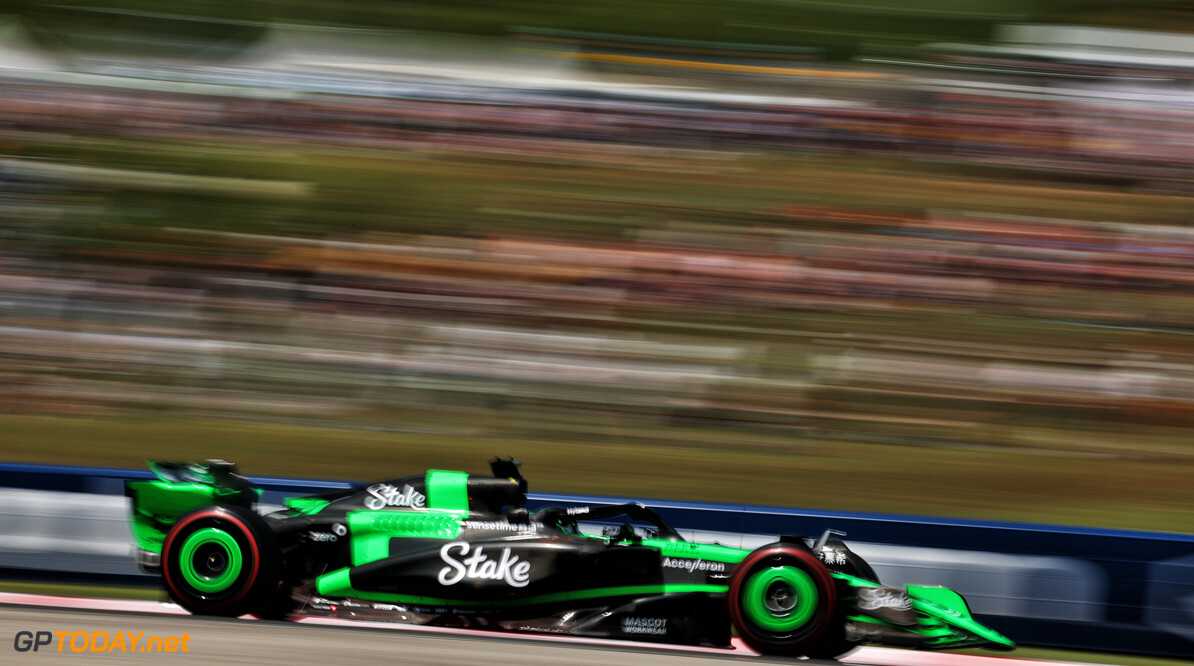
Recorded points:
1083,588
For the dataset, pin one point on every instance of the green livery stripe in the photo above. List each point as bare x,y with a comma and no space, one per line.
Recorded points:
370,548
157,505
333,582
854,581
930,630
338,584
943,627
948,608
697,551
305,506
448,491
372,530
146,533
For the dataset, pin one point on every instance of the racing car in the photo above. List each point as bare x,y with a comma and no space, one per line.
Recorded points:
455,549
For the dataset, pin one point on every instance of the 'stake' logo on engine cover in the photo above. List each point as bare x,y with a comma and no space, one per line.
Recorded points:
382,495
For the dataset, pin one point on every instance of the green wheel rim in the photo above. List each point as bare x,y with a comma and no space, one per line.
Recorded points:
221,557
780,599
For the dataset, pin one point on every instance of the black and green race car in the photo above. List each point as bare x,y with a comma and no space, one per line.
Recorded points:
454,549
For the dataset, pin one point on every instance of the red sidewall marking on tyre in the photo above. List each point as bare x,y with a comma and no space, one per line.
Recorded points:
816,569
169,543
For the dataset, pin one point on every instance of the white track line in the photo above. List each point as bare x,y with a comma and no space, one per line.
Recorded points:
82,603
738,646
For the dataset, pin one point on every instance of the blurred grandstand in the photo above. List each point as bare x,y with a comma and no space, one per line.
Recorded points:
323,227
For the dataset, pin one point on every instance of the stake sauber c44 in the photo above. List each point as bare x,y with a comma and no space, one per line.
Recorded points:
453,549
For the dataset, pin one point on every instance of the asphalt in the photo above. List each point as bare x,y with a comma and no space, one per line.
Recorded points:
231,641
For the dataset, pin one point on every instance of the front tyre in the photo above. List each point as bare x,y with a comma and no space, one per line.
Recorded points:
782,600
220,560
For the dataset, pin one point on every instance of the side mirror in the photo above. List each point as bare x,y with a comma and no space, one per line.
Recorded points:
505,469
825,539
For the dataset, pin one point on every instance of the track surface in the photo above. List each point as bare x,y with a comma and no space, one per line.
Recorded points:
231,641
242,641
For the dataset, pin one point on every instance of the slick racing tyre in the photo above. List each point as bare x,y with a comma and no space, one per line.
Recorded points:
221,560
782,600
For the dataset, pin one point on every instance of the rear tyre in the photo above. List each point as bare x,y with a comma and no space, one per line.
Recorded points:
221,560
782,600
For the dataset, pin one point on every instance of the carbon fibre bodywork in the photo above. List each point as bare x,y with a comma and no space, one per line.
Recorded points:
455,549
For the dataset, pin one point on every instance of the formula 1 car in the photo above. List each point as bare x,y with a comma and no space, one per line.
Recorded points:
453,549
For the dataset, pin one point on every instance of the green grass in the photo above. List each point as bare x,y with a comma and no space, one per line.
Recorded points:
645,462
358,190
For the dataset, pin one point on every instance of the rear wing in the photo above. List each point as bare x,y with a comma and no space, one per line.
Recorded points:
179,489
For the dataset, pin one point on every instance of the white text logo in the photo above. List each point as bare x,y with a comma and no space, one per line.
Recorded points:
692,565
382,495
874,598
509,568
500,526
656,626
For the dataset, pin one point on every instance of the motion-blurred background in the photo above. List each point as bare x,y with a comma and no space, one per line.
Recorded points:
930,258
